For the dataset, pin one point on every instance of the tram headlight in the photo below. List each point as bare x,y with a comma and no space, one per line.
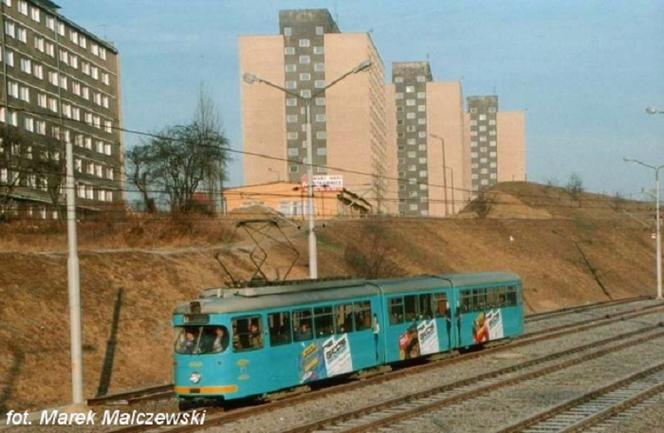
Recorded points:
195,377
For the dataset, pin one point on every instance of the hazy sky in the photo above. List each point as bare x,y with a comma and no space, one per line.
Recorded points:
583,71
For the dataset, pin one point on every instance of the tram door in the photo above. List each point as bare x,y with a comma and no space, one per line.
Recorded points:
444,323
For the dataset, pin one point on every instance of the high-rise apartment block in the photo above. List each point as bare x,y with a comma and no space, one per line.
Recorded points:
348,119
59,83
496,141
429,140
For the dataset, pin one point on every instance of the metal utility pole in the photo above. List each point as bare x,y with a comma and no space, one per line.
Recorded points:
442,145
250,78
73,274
658,223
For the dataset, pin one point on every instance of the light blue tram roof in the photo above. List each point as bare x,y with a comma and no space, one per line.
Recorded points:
230,300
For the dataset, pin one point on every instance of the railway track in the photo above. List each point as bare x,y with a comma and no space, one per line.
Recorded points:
536,317
215,417
128,397
394,412
598,409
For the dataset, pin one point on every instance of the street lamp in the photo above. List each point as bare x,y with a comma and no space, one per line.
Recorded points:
658,237
250,78
442,145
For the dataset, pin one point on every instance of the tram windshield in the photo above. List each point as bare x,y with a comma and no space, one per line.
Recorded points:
198,340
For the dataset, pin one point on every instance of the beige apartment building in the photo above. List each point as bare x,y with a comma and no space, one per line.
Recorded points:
349,132
59,83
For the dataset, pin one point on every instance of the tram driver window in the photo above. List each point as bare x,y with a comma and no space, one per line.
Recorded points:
511,295
302,329
362,315
280,329
247,334
344,318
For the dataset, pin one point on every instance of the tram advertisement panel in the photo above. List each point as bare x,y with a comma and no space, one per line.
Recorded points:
495,319
332,357
427,333
337,355
488,326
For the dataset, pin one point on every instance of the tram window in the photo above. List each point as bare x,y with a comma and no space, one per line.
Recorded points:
426,309
480,300
465,301
410,307
247,333
280,330
323,321
491,297
500,292
344,318
396,311
362,312
302,329
511,295
441,304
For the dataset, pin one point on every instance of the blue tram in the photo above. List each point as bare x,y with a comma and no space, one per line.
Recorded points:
233,343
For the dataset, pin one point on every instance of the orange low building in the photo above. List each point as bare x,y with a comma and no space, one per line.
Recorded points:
290,199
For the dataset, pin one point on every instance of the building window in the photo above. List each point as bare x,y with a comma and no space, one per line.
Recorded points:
293,151
34,14
22,35
305,93
421,95
482,117
38,71
410,89
305,76
305,60
292,135
320,101
291,102
398,79
291,84
29,123
320,118
26,65
289,51
320,30
50,22
319,84
10,29
291,118
319,67
304,43
421,78
318,50
291,68
321,135
288,31
23,7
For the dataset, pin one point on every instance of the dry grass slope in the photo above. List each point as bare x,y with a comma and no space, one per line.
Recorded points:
538,232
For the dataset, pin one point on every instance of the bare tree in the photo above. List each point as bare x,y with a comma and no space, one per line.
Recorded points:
180,159
15,165
50,165
574,186
372,256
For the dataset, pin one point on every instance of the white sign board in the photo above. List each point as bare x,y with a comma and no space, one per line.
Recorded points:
327,182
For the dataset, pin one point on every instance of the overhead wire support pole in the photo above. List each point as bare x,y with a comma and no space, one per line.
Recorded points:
658,237
250,78
73,266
